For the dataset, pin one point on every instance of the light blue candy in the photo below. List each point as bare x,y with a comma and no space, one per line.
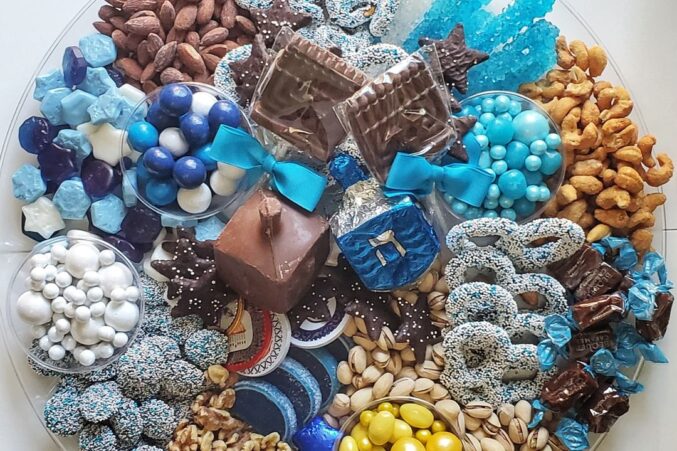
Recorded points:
524,207
468,110
27,183
473,213
173,221
491,204
45,82
129,187
479,129
71,199
532,163
508,213
516,153
499,167
551,161
98,49
75,107
488,105
498,152
533,193
203,154
512,184
484,160
544,194
504,116
107,108
76,141
515,108
482,140
538,147
209,229
494,192
501,103
487,118
142,136
553,140
97,81
493,214
533,178
459,207
500,131
505,202
51,105
448,198
530,125
108,213
128,114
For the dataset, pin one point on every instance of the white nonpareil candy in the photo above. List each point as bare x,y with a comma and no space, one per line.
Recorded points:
81,258
33,308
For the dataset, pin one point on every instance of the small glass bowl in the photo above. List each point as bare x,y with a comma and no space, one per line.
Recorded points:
395,400
553,182
22,332
218,203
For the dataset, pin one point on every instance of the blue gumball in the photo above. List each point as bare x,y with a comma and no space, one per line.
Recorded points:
161,192
479,129
158,118
487,118
515,108
513,184
504,116
532,163
500,131
499,167
538,147
488,105
159,162
189,172
524,207
497,152
509,213
533,178
492,214
459,207
501,103
515,155
491,204
195,128
493,192
142,174
544,194
533,193
551,161
505,202
224,112
482,140
142,136
553,140
203,154
473,213
175,99
530,125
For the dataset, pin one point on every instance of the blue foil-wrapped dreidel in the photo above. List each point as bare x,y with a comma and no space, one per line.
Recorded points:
316,435
389,242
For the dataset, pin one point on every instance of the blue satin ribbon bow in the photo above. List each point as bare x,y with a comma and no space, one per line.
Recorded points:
413,175
296,182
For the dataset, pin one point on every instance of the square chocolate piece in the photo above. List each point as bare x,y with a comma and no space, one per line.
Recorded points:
271,251
298,95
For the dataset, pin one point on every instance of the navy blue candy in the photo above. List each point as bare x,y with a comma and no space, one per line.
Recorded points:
159,118
176,99
36,134
74,66
203,154
57,164
159,162
142,135
195,128
117,76
189,172
161,192
224,112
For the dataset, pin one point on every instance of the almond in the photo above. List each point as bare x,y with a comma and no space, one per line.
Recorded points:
193,38
176,35
132,6
116,3
186,17
118,22
165,56
143,26
228,14
167,15
246,25
120,39
205,11
142,54
155,42
148,73
129,67
216,36
104,28
190,58
221,49
144,13
133,41
209,26
106,12
171,75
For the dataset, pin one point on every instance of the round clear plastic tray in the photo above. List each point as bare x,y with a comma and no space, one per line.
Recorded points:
14,245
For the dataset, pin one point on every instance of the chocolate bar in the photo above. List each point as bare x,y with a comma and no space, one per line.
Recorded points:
404,110
585,344
298,95
655,329
571,271
570,386
604,409
599,311
601,281
271,252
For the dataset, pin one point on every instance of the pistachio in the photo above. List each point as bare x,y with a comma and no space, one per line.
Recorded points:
350,390
470,443
407,372
489,444
503,438
449,409
357,359
331,421
344,373
359,382
506,413
428,369
428,282
340,405
386,340
394,365
436,300
408,355
439,392
472,423
442,286
538,438
371,374
479,409
381,358
383,385
361,398
365,342
518,431
402,387
523,411
480,434
422,386
491,425
526,447
351,327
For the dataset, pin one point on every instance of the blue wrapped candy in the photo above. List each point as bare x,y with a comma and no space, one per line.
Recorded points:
573,434
317,435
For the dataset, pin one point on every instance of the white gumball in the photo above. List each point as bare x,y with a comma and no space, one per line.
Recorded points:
86,357
45,343
87,333
231,172
59,253
82,257
77,350
195,200
62,325
50,272
68,343
97,309
222,186
54,335
38,331
121,316
57,352
38,274
173,140
69,310
202,103
132,294
115,276
78,297
40,260
82,314
63,279
50,291
120,339
37,285
103,350
94,294
57,316
118,295
106,333
68,293
107,257
91,278
81,285
33,308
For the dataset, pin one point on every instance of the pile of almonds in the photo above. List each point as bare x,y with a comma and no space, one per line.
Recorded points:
168,41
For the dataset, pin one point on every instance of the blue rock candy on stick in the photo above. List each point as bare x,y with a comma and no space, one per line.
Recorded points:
302,389
255,397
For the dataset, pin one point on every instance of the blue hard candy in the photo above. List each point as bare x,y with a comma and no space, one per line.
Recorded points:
98,49
57,164
76,141
158,161
533,178
512,184
203,154
142,135
71,200
195,128
129,114
97,81
500,131
74,107
36,134
116,75
530,125
538,147
224,112
159,118
27,184
551,161
161,192
74,66
129,187
189,172
107,214
173,221
532,163
209,229
175,99
45,82
524,207
141,225
516,153
51,105
107,108
99,178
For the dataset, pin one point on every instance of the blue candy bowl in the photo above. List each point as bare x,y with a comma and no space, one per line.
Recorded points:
521,144
168,170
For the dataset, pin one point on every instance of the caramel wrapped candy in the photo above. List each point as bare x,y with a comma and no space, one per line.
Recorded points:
600,281
586,343
599,311
604,409
571,271
655,329
572,385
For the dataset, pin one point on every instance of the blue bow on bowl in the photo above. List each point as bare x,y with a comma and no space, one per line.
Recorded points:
296,182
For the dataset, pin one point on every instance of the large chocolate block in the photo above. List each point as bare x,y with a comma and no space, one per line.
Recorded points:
604,408
298,95
271,252
585,343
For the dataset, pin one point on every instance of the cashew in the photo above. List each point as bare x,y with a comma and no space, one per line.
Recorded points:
562,76
566,194
621,109
586,184
613,196
559,108
586,220
661,174
653,201
615,218
565,59
630,180
553,90
598,232
590,113
609,177
580,52
646,144
636,202
531,90
574,210
583,89
587,167
641,240
599,153
600,86
630,154
642,218
597,61
625,137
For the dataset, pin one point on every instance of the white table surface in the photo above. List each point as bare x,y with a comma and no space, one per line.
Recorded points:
639,34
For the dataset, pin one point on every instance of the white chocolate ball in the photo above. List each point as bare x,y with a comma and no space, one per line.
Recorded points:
69,310
86,357
59,252
81,285
231,172
51,291
120,339
74,295
121,316
50,272
33,308
68,342
38,274
115,276
106,333
57,352
45,343
173,140
103,350
82,257
38,332
107,257
40,260
82,314
195,200
87,333
54,335
222,186
97,309
118,295
37,285
133,294
202,103
63,279
94,294
91,278
77,350
62,325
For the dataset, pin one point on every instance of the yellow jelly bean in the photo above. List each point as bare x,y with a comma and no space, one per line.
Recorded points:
423,435
381,428
408,444
359,432
348,444
366,417
364,444
385,406
444,441
416,415
396,411
401,430
378,448
438,426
